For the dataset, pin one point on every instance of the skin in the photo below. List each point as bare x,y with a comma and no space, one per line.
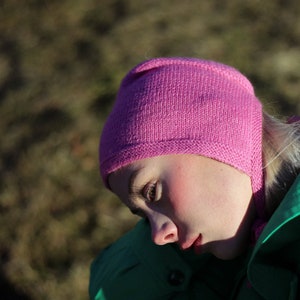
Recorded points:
191,200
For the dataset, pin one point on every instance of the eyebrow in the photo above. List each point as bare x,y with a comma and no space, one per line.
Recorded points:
131,180
132,192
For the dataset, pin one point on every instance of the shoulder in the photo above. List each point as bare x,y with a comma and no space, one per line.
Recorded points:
274,268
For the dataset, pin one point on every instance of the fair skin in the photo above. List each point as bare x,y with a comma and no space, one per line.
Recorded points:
191,200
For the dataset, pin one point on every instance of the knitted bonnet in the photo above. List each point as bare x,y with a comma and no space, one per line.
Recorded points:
185,105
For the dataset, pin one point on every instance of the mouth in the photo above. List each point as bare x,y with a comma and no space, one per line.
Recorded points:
195,245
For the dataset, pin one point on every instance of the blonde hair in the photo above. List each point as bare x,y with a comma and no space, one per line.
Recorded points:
281,156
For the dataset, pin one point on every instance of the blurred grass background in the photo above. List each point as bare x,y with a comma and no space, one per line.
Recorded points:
60,66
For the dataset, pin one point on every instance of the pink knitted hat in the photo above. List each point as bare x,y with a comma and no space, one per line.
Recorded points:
185,105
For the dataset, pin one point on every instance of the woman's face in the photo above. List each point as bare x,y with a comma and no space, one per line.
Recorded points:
191,200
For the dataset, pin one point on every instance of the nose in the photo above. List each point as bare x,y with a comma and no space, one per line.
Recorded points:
164,231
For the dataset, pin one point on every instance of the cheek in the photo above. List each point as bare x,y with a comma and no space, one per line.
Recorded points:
183,198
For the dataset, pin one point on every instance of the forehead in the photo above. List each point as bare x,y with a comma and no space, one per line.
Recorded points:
125,172
122,180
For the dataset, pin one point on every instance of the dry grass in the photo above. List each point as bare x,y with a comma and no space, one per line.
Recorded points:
60,66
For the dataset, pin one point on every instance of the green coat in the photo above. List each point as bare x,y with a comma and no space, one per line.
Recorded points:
134,268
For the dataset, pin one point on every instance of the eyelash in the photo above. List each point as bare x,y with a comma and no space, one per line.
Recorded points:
152,191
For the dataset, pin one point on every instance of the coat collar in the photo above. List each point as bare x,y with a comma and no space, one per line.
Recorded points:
287,212
275,259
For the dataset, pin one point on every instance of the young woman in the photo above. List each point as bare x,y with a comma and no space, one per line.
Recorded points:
216,181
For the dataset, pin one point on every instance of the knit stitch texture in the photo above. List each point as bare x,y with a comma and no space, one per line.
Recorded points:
185,105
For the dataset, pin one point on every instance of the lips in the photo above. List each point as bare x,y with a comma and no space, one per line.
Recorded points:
186,245
194,244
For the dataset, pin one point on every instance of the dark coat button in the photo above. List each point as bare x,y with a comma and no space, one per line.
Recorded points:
176,277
